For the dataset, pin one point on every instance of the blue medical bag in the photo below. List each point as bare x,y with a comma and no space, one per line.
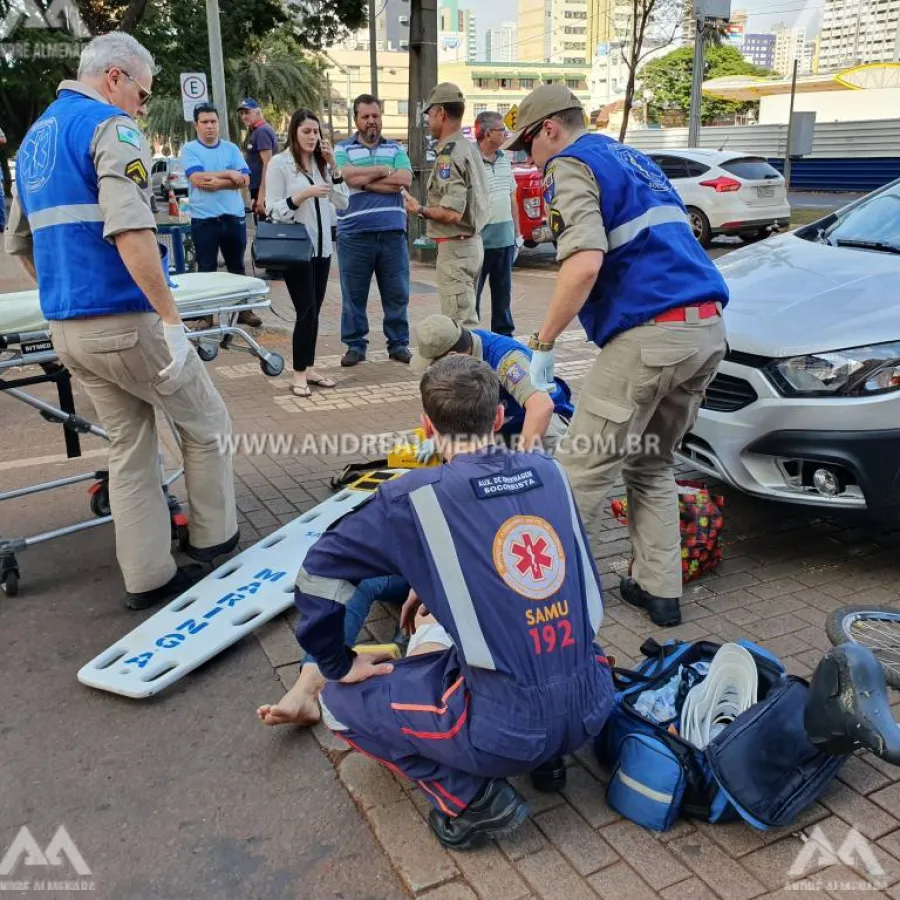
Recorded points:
760,767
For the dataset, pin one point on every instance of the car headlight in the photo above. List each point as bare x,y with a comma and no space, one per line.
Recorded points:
862,371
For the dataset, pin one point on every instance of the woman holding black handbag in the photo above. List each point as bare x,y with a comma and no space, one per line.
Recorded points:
301,183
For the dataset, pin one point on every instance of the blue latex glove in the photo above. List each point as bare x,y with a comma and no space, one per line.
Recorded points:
541,370
427,449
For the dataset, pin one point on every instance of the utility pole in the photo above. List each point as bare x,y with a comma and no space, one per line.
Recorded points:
787,150
373,50
330,101
697,82
422,78
217,64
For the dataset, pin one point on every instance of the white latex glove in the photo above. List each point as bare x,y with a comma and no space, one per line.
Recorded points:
179,349
541,370
427,449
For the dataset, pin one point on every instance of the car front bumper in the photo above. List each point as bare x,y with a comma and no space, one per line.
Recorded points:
771,446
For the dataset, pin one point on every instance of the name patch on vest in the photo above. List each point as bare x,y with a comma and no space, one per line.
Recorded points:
129,135
137,172
505,485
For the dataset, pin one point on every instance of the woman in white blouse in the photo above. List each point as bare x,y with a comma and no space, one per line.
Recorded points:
301,184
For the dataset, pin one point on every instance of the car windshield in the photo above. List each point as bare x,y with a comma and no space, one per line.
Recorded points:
873,224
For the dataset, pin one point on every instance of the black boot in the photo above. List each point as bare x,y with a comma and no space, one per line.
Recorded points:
664,611
550,776
185,578
498,810
209,554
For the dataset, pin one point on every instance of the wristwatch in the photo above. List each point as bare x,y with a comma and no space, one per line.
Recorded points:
541,346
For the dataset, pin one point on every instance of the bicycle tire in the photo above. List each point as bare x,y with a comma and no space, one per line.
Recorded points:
839,622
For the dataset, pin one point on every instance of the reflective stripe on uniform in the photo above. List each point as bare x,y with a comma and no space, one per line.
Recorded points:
65,215
658,215
335,589
591,587
328,719
440,544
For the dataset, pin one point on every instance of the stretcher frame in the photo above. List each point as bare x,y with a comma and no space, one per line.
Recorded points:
35,349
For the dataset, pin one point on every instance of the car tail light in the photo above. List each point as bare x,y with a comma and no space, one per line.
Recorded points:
722,184
532,207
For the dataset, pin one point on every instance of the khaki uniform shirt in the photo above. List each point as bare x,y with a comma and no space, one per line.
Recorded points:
121,156
572,196
458,182
512,372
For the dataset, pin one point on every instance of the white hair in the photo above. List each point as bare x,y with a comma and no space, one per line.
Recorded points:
114,49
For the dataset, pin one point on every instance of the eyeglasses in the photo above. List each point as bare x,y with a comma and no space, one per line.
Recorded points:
143,94
530,135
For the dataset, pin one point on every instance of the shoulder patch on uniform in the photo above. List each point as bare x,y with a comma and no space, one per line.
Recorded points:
137,172
443,169
129,135
517,482
514,367
556,222
549,185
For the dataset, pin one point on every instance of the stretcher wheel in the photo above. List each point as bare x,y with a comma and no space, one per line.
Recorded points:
207,352
100,501
272,364
10,583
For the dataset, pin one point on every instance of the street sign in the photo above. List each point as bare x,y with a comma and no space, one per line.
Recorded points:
510,119
193,92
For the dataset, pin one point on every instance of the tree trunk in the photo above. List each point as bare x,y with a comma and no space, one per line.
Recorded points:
133,15
629,100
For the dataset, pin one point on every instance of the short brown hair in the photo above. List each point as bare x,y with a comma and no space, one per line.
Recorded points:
460,395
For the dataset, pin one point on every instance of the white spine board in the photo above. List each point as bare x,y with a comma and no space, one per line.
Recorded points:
232,601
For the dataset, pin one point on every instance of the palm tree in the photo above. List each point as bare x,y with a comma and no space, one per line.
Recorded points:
280,81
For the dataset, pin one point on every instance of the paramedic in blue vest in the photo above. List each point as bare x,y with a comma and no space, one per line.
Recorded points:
503,676
534,419
83,227
646,294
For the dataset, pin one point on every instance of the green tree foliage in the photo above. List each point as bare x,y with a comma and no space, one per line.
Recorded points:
669,77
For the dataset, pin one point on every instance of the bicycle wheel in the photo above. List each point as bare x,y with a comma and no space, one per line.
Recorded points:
875,627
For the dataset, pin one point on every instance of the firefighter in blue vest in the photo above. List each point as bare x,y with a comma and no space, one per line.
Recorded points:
648,295
82,224
534,418
503,677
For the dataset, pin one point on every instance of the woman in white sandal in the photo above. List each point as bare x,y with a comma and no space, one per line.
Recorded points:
301,184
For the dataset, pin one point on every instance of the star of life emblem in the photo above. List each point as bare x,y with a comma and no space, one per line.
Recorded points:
529,556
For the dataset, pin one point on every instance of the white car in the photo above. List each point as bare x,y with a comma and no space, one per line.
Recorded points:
726,192
805,407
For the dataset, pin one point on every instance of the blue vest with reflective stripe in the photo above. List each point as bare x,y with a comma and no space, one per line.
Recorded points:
495,347
654,262
79,273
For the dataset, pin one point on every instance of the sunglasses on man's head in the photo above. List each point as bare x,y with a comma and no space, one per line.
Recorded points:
530,135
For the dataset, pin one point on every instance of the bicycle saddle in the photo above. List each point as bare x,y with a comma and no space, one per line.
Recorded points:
848,706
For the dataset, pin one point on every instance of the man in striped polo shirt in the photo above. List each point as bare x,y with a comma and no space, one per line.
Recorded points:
372,234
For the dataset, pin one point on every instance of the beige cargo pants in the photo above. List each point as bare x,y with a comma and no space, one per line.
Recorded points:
639,399
118,360
458,265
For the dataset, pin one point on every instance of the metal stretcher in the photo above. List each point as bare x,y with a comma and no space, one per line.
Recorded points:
25,342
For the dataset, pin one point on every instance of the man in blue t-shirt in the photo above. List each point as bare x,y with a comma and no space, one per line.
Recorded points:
217,173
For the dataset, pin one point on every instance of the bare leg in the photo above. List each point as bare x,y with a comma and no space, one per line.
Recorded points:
300,705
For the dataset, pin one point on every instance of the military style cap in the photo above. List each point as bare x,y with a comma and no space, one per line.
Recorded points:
434,337
540,104
445,92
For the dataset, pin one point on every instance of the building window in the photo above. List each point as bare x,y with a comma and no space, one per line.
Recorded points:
404,45
503,108
354,72
403,107
573,83
526,84
505,83
480,108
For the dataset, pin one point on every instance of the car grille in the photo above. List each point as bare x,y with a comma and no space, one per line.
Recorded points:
729,394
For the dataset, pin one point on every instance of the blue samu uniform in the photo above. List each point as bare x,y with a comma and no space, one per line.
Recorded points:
492,544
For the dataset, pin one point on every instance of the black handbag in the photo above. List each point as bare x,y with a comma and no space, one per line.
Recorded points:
280,245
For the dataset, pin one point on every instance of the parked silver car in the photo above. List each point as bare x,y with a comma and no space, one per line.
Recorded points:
166,172
806,406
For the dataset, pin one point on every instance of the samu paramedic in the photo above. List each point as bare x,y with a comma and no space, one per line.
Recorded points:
648,295
508,678
82,223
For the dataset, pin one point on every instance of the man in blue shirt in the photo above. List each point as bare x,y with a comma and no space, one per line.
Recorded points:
372,234
216,171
